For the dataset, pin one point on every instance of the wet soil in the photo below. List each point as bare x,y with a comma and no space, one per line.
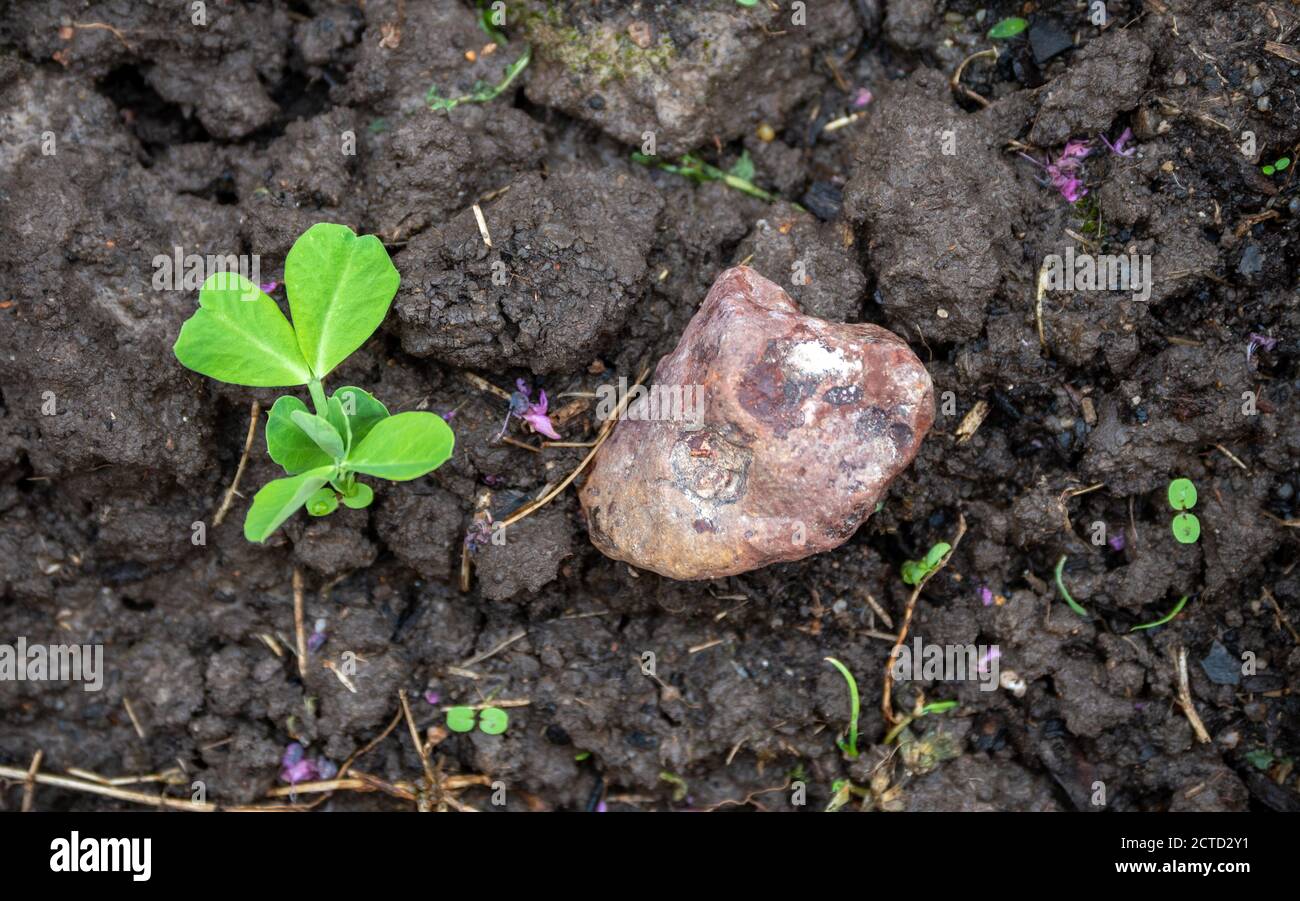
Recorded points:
128,131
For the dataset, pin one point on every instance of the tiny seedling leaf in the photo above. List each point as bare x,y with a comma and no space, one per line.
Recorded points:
1178,608
361,497
279,499
403,447
340,287
493,720
239,336
460,719
1182,494
319,430
287,443
744,167
322,502
1186,528
1008,28
936,554
361,409
1282,164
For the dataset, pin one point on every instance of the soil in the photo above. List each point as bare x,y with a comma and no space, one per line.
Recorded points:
226,138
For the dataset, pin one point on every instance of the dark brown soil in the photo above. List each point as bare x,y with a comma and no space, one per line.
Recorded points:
225,138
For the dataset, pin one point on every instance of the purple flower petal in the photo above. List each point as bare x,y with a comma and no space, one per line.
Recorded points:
1116,541
293,753
861,98
325,768
986,595
432,698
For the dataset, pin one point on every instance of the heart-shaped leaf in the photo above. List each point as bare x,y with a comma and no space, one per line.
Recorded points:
403,447
460,719
239,336
1182,494
340,287
362,410
323,502
1186,528
321,432
279,499
288,444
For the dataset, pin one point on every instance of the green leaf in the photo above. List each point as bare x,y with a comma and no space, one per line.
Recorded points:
912,571
239,336
1282,164
361,497
1008,28
744,167
362,411
1186,527
1182,494
403,447
493,720
460,719
323,502
936,554
279,499
340,287
337,418
1268,170
321,432
288,444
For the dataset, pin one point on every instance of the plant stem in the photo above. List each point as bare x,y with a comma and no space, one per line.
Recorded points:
318,397
851,747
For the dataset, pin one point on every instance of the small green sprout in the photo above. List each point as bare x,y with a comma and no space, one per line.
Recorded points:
482,92
1008,28
1281,164
914,571
581,756
747,2
934,707
491,720
1178,608
1060,586
340,287
677,782
740,177
1182,496
850,747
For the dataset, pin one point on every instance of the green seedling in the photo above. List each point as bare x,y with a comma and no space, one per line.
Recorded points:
1060,586
1008,28
483,92
933,707
850,747
491,720
747,2
915,571
677,782
740,176
1281,164
1178,608
340,287
1182,496
581,756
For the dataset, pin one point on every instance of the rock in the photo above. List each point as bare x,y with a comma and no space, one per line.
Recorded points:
789,431
1221,666
1048,39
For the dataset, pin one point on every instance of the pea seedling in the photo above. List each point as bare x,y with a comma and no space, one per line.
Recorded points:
340,287
913,571
491,720
1182,496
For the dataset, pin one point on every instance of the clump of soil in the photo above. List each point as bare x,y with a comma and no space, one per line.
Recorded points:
903,202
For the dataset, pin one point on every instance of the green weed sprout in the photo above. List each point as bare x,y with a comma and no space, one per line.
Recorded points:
1178,608
934,707
1008,28
850,747
680,788
482,92
340,287
1182,496
913,571
491,720
1281,164
740,176
1060,586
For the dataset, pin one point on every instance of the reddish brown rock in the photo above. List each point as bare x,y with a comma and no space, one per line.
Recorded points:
801,426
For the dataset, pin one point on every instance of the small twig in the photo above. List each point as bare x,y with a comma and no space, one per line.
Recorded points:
298,626
106,27
479,658
139,730
886,704
1282,616
482,225
1231,456
29,789
107,791
430,780
605,431
1185,697
253,413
